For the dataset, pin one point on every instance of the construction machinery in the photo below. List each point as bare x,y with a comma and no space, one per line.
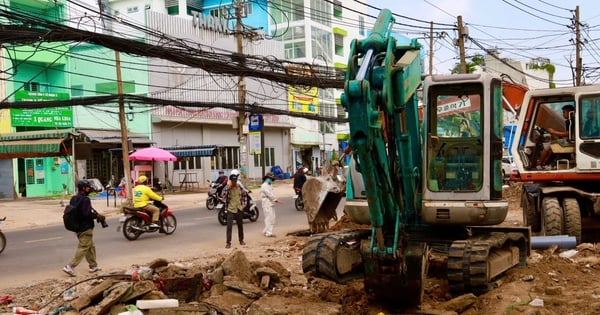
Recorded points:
418,186
560,192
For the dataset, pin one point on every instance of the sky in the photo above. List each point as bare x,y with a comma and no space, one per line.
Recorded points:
519,29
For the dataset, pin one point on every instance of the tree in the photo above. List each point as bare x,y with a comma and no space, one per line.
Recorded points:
476,60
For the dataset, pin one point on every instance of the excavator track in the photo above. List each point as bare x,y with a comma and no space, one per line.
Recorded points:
334,256
474,263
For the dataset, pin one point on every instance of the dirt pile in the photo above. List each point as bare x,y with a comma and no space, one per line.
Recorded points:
268,279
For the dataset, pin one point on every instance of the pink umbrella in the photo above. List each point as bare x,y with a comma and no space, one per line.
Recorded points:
152,154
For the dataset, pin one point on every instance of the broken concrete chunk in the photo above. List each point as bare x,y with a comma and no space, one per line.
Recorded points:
162,303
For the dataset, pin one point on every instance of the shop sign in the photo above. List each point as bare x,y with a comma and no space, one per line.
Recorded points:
61,116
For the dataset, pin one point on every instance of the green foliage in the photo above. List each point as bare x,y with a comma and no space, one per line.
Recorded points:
476,60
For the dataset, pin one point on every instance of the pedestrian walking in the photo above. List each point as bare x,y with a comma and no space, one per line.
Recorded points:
85,234
268,200
235,196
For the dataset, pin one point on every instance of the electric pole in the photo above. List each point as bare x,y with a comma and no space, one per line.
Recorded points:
431,48
241,94
461,45
124,136
578,65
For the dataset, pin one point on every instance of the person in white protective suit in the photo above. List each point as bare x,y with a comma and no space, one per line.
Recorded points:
268,200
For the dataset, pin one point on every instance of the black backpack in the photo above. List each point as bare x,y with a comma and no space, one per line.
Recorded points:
71,217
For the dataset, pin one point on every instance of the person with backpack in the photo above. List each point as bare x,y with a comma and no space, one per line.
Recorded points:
85,216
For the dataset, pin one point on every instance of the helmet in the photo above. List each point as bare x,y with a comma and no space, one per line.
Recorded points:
305,170
233,177
235,172
81,184
221,172
142,179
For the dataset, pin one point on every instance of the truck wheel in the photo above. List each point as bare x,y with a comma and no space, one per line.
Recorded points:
552,216
572,217
530,217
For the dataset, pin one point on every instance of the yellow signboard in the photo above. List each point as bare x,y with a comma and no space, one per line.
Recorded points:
303,99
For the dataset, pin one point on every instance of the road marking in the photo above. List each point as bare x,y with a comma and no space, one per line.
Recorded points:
45,239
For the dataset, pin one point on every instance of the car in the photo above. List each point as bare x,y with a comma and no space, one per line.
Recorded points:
508,165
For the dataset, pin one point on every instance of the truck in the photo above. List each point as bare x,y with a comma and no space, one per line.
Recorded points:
560,195
415,186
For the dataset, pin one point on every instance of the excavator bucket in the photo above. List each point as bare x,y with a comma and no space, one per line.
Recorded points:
321,197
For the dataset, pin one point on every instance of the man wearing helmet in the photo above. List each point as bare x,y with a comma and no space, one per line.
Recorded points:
300,178
86,215
235,201
142,196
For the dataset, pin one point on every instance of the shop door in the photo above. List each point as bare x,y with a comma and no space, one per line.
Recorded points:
35,177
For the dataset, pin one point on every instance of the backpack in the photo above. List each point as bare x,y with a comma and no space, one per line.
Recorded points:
71,218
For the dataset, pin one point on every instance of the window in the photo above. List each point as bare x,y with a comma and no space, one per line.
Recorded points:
285,11
188,163
31,86
339,44
77,90
326,109
269,158
133,9
226,158
320,12
590,121
295,50
321,44
337,9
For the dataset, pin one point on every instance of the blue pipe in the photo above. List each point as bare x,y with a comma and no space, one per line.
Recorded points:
562,241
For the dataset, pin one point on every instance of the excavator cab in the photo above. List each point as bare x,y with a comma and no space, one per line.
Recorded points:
463,156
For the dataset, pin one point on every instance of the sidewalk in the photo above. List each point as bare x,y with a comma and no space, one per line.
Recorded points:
29,213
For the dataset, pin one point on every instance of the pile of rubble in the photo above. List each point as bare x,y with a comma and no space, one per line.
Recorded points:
225,285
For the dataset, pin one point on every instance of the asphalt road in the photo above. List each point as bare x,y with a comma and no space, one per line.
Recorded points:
38,254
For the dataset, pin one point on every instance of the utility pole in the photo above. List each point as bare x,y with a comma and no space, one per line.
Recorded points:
241,94
124,136
431,48
461,45
578,65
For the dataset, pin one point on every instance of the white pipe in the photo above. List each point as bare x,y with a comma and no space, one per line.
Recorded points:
163,303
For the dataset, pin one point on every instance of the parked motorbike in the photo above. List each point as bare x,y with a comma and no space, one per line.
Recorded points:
2,237
213,196
250,211
136,221
298,201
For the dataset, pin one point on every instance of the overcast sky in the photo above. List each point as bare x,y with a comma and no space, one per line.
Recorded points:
520,29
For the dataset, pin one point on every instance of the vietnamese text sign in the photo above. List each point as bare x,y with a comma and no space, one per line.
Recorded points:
61,116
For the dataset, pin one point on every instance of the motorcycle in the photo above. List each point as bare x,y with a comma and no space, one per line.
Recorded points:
213,196
298,201
2,237
135,221
250,211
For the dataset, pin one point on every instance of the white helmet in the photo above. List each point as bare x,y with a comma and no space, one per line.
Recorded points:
305,170
235,172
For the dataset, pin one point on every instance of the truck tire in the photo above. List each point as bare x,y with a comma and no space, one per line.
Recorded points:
530,217
572,217
552,216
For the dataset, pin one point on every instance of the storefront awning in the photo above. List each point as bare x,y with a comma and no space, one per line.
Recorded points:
36,143
113,136
192,150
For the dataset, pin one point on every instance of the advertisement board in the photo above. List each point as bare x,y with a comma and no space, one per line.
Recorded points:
61,116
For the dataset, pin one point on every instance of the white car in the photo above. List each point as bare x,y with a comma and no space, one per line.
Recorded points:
508,165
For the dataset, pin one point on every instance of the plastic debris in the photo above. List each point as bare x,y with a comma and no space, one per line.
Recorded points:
568,253
537,302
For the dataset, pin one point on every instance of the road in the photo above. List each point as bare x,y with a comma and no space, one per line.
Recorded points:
39,254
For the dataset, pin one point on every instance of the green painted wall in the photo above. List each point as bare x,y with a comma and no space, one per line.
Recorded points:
93,72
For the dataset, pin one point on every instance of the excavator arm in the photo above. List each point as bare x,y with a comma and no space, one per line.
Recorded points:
380,98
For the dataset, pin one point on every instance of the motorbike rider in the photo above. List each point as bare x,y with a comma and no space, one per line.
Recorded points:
300,179
142,196
221,181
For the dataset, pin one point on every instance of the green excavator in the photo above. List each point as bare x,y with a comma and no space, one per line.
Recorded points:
421,178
